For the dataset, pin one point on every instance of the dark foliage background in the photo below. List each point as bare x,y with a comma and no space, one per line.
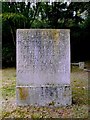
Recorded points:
57,15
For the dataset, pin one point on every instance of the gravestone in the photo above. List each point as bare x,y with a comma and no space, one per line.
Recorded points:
81,65
43,67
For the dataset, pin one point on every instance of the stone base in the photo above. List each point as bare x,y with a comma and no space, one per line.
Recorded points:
46,95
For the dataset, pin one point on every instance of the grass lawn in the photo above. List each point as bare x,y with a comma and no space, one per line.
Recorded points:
78,109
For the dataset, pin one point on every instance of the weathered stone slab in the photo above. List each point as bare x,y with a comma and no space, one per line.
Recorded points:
43,67
44,95
81,65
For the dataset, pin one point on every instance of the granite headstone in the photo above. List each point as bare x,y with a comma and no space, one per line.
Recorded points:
43,67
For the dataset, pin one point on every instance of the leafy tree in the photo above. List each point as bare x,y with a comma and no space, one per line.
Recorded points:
74,16
10,22
13,21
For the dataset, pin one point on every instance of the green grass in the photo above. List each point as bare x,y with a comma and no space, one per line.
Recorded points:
79,108
8,82
79,83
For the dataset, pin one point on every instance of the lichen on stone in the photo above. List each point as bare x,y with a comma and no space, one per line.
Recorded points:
23,92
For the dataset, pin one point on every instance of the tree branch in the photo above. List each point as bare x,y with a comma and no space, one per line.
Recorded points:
37,7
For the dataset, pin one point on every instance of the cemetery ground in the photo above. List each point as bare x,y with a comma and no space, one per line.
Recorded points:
78,109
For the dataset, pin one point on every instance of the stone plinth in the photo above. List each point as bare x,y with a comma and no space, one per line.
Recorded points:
43,67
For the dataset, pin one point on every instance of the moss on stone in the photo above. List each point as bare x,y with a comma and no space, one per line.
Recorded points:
23,92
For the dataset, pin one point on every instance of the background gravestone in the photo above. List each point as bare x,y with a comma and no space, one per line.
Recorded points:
81,65
43,67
